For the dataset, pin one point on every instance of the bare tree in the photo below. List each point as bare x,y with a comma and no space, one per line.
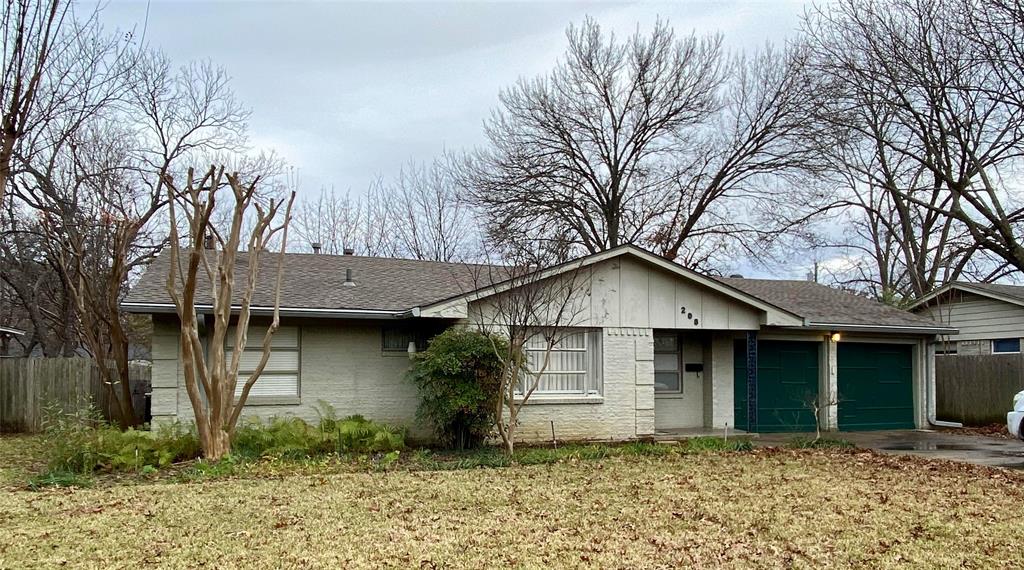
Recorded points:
332,220
918,69
98,189
535,308
32,294
744,182
210,376
585,146
658,140
427,215
898,245
31,33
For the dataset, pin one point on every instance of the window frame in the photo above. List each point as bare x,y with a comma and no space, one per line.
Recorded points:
593,378
678,352
243,374
418,336
995,340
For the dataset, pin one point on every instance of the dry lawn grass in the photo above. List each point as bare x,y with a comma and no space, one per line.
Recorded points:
760,509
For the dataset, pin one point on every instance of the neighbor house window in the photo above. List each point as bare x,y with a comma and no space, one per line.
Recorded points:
573,367
1005,345
279,381
397,339
667,379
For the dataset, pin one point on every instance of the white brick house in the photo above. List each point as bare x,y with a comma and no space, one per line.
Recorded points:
660,348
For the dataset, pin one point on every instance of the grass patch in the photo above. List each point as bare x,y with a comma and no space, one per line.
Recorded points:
819,443
20,456
761,509
699,444
59,479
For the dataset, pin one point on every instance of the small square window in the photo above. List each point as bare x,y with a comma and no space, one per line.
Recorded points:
1005,345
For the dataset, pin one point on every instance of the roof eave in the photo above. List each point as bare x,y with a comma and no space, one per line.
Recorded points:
966,287
907,329
169,308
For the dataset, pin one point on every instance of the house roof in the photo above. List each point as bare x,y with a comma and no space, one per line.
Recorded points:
1013,294
313,284
825,306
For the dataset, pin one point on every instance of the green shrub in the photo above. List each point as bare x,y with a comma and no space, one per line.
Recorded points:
698,444
819,443
287,438
356,434
458,378
292,438
77,448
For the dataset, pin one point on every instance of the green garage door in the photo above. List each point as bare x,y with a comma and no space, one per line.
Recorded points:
876,389
787,385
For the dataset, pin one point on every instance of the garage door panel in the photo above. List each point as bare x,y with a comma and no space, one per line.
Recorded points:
875,386
787,385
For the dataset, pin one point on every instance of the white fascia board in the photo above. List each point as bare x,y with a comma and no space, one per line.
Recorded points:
154,308
909,329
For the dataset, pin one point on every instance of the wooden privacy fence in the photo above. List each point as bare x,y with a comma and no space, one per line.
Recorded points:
977,389
29,387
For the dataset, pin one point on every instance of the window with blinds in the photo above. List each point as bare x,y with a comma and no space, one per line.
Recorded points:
574,364
280,378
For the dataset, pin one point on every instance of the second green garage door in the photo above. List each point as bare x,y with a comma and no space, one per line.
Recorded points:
787,385
876,387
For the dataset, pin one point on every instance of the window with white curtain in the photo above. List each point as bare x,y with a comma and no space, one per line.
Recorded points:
280,378
574,363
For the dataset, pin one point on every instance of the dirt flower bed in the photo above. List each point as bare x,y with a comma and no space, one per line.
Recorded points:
767,508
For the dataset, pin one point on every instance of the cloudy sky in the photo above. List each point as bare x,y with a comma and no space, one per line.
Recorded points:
349,91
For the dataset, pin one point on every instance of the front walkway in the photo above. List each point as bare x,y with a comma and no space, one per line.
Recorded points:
981,450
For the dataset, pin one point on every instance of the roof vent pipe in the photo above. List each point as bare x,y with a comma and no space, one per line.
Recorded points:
349,251
316,247
348,279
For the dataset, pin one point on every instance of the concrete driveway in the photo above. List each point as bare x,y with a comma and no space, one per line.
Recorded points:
981,450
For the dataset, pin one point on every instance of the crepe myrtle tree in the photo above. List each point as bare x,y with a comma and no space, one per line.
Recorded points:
211,377
536,305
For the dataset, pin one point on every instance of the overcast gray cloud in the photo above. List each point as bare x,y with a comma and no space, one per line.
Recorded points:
349,91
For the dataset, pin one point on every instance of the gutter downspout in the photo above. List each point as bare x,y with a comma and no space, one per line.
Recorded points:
929,383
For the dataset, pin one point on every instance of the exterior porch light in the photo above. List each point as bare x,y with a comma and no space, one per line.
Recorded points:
835,337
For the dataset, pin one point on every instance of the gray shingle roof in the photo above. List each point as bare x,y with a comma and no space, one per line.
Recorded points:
314,281
821,304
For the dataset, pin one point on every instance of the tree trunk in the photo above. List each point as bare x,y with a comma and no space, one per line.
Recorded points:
216,443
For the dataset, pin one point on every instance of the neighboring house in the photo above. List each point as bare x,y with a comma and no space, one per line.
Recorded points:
989,317
658,348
